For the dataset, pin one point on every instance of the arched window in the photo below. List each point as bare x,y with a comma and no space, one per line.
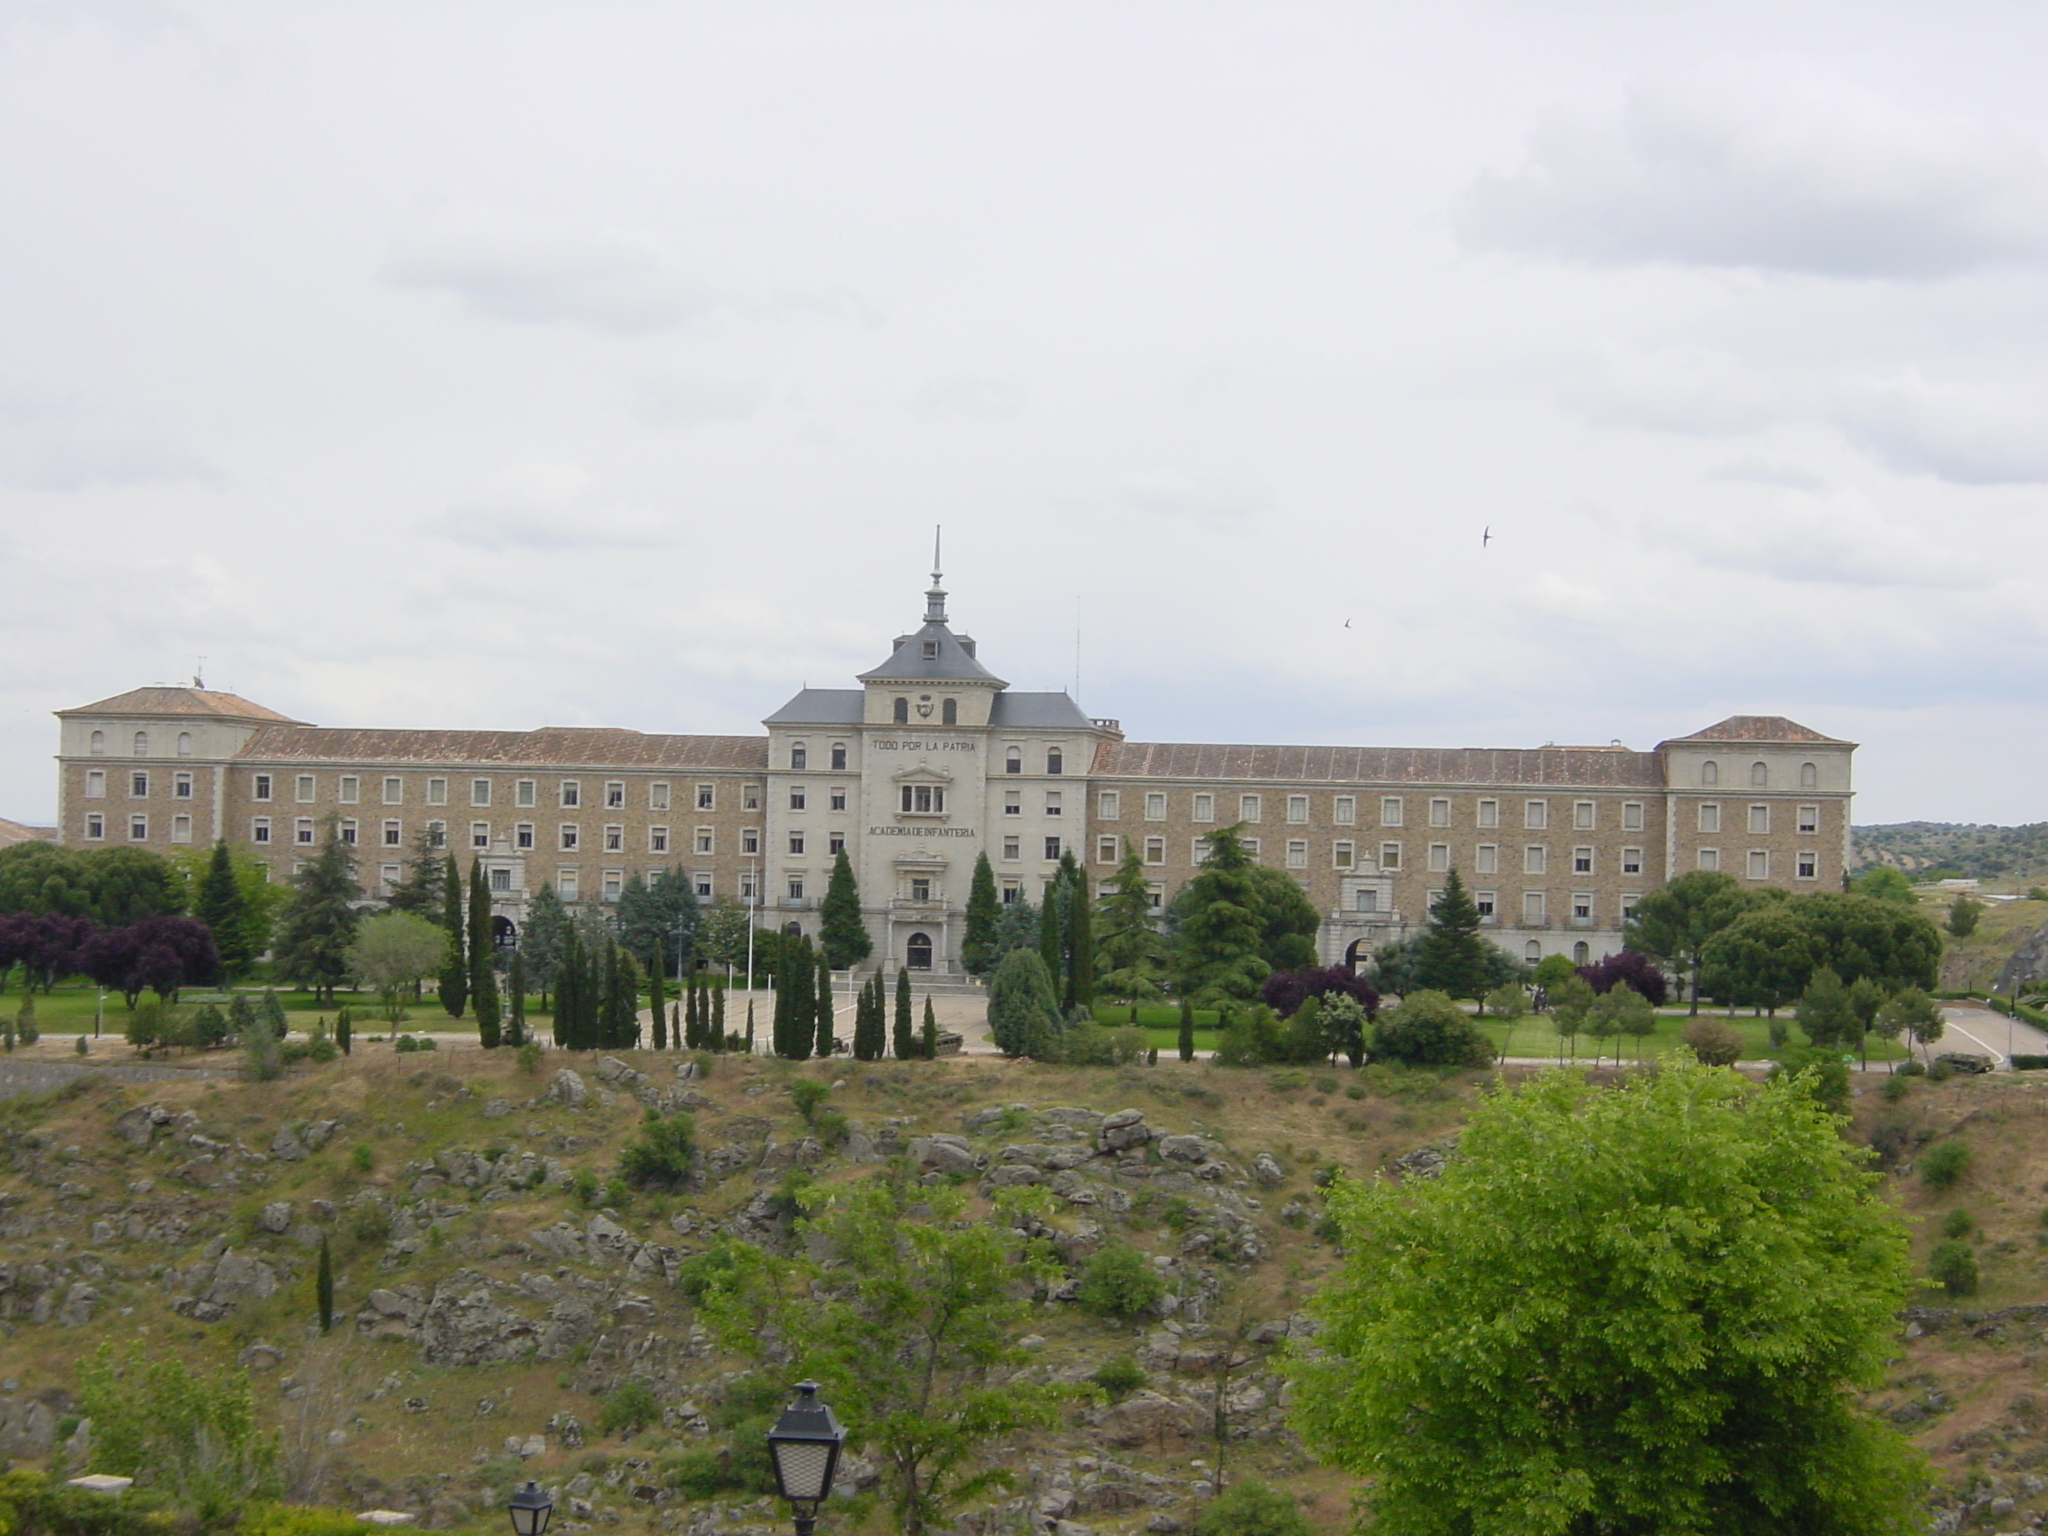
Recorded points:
1581,954
799,756
1532,951
917,953
142,743
1710,772
184,743
838,754
99,744
903,711
949,712
793,930
1054,762
1809,776
1759,775
1013,760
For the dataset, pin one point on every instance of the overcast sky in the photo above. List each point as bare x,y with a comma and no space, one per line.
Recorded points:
504,365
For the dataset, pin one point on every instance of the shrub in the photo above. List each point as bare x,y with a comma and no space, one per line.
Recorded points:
807,1093
1953,1266
1119,1378
1118,1281
2030,1063
361,1158
662,1157
1895,1088
529,1057
1957,1223
1429,1030
1945,1163
1712,1042
1910,1068
1251,1508
628,1408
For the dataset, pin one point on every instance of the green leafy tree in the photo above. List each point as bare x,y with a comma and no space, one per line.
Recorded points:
392,953
189,1434
1763,959
1676,922
1428,1029
1668,1296
541,942
912,1327
1881,882
978,943
1963,915
902,1036
128,884
317,923
483,954
1621,1011
1023,1013
1452,955
659,916
842,931
454,988
722,933
220,906
1118,1281
1895,946
1220,930
1825,1012
1911,1012
1571,1000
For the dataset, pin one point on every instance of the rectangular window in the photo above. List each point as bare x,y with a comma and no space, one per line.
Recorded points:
1759,864
1532,908
704,840
614,838
1012,893
1109,805
1582,908
1439,813
1631,861
302,831
1248,807
1710,858
921,888
1390,811
1582,861
1486,903
1297,853
1486,859
1052,802
835,843
615,795
1297,809
95,783
1198,851
181,786
922,799
1155,850
1582,815
704,886
657,839
1365,901
437,834
750,840
138,785
1344,854
1632,816
570,793
1760,818
522,836
1710,818
1105,849
181,829
614,882
479,791
1808,865
798,797
525,793
566,884
1489,813
1155,806
501,879
707,797
747,888
838,756
394,834
570,835
1205,808
303,789
796,842
1156,897
138,829
1809,820
1251,846
750,797
1390,855
1345,810
1535,859
348,831
479,834
259,830
1013,802
1052,847
394,789
1439,857
260,787
1012,848
1536,813
437,791
348,789
387,878
836,800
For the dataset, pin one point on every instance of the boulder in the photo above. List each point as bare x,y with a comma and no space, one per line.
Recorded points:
1122,1131
276,1216
285,1146
462,1325
947,1154
138,1125
1267,1170
1147,1418
567,1087
1192,1150
260,1357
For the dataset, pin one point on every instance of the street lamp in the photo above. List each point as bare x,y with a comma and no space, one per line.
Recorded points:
805,1447
530,1510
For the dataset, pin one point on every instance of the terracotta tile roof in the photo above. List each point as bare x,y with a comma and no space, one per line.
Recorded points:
179,701
1774,728
595,748
1559,767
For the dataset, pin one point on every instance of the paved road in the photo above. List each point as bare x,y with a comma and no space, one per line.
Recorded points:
1981,1030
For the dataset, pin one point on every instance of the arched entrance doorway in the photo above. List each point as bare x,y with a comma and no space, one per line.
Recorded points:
504,935
1354,952
917,952
793,930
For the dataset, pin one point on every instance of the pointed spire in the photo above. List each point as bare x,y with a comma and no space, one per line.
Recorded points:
935,599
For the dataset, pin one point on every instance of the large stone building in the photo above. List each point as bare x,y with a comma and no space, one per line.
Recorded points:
934,759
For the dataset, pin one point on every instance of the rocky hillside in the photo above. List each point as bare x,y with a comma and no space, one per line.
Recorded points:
2014,854
494,1294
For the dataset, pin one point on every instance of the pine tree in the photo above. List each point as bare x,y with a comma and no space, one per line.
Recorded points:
1451,956
1187,1029
1128,941
984,911
842,932
826,1043
657,1005
902,1038
928,1043
454,988
422,889
220,905
323,1287
483,975
547,927
515,1018
318,920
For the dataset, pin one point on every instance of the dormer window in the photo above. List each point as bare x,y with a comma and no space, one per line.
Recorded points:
949,712
902,711
931,650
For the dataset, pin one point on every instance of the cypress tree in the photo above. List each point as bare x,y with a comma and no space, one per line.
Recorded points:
1051,935
826,1043
867,1039
1080,990
928,1043
569,994
1187,1029
800,1024
715,1020
323,1287
454,987
675,1022
984,912
621,999
693,1015
657,1009
750,1026
842,932
515,1017
345,1032
903,1039
483,976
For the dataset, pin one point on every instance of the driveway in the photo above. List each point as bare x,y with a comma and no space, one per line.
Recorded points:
1981,1030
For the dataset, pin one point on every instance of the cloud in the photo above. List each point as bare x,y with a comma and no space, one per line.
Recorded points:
1965,434
961,396
550,506
613,280
51,447
673,400
1179,497
1678,389
1768,171
1838,539
1764,471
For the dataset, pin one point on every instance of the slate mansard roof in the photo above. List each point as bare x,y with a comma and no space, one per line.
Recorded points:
1011,711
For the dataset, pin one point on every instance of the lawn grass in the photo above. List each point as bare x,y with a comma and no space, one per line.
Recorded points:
1151,1016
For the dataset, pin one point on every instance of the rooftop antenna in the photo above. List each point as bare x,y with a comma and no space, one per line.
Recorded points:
199,672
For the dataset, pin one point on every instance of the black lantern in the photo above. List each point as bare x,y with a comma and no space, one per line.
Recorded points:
530,1510
805,1447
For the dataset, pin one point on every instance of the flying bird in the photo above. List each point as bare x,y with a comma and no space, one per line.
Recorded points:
1486,537
1347,623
